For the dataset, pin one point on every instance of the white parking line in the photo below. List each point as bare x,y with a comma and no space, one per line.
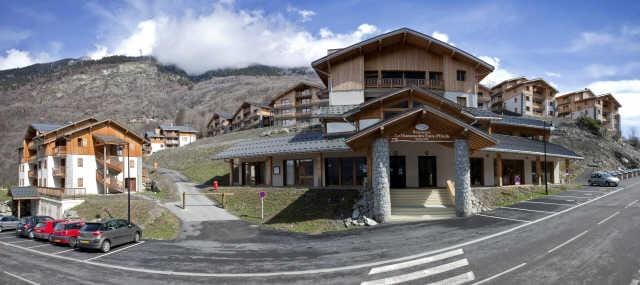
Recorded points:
562,196
501,218
548,203
419,274
27,240
456,280
415,262
63,251
526,210
499,274
112,252
21,278
40,245
609,217
631,204
588,191
567,242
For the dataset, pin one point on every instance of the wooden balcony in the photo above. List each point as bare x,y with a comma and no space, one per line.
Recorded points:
32,159
112,162
403,82
62,193
59,171
60,151
171,134
32,173
112,183
303,94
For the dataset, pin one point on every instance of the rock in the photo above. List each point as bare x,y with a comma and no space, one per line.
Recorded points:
355,214
347,222
369,222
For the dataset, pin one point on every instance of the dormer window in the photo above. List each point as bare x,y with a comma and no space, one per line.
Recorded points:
461,75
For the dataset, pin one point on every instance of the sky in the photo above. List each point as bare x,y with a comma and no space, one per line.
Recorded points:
571,44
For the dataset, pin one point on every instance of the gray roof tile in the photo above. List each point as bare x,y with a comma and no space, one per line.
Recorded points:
523,145
185,129
333,111
45,127
521,121
24,192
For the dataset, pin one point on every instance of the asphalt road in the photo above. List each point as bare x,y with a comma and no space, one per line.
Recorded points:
584,236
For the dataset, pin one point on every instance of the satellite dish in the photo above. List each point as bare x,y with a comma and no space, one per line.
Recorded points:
422,127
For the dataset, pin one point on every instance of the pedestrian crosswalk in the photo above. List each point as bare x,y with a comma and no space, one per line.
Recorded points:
448,268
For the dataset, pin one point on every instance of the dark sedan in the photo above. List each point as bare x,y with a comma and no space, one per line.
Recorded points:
26,225
105,235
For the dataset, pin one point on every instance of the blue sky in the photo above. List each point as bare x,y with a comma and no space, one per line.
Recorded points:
573,44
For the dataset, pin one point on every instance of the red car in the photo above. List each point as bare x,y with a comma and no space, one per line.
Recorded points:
66,233
43,229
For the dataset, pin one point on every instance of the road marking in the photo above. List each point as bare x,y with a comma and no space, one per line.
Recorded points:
27,240
115,251
588,191
412,263
419,274
609,217
38,245
501,218
631,204
63,251
562,196
456,280
548,203
21,278
567,242
500,274
526,210
320,270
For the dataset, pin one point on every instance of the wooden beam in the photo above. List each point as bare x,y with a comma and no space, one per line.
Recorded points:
499,169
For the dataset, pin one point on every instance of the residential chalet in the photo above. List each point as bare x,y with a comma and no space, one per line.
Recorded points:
295,106
60,164
484,97
521,96
251,115
584,103
220,123
403,113
169,136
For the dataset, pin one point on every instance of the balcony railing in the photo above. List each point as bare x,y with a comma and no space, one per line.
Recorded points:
62,193
112,183
60,150
112,162
303,94
59,171
403,82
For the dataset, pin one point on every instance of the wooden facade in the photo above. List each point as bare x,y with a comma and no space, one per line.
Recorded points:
295,106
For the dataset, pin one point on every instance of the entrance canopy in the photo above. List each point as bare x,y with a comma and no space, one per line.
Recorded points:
24,193
423,124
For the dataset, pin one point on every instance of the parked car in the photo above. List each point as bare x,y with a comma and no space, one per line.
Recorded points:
44,229
105,235
66,233
603,179
8,223
26,225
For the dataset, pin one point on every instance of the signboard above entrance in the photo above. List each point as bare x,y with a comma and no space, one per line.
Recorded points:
420,133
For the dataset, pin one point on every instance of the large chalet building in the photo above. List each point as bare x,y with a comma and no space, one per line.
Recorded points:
60,164
295,106
524,97
403,113
169,136
584,103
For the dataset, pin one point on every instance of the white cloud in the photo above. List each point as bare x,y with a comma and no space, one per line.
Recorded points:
626,39
605,70
18,58
441,36
305,15
498,75
591,39
627,92
227,37
552,74
12,36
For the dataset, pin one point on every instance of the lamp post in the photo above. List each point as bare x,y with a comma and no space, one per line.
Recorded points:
544,139
128,182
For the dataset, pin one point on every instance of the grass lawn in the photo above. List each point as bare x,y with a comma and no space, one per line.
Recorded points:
510,197
4,195
167,191
156,222
292,209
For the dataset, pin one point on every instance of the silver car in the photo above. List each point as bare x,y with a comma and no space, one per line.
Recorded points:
603,179
8,223
105,235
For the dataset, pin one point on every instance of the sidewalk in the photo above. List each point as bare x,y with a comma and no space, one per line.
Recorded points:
199,208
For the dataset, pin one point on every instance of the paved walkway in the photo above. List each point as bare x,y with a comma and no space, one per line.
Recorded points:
199,208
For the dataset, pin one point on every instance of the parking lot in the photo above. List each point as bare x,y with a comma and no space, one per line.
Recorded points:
9,238
535,209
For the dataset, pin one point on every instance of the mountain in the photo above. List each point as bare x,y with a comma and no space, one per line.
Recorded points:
137,91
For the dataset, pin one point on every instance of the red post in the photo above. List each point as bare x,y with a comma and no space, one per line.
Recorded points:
215,185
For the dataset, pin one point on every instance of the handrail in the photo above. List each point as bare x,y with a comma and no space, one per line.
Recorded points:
402,82
62,193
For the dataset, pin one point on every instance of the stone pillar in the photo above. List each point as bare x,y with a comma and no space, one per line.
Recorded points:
462,178
499,169
231,172
268,171
380,180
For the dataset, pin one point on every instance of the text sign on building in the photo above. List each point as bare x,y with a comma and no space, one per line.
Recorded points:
421,133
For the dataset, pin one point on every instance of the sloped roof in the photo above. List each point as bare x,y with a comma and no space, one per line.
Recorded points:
521,145
24,192
308,142
540,80
481,113
43,128
152,134
508,80
182,129
299,85
521,121
107,139
333,111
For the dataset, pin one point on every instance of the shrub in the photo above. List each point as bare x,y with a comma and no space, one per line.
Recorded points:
590,124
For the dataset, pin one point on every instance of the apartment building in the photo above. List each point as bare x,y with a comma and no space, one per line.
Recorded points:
484,97
294,107
521,96
220,123
584,103
169,136
252,115
403,113
60,164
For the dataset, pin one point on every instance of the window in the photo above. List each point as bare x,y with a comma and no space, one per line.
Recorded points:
528,109
528,98
80,163
515,99
80,183
461,75
132,163
462,101
81,142
348,171
45,164
516,109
